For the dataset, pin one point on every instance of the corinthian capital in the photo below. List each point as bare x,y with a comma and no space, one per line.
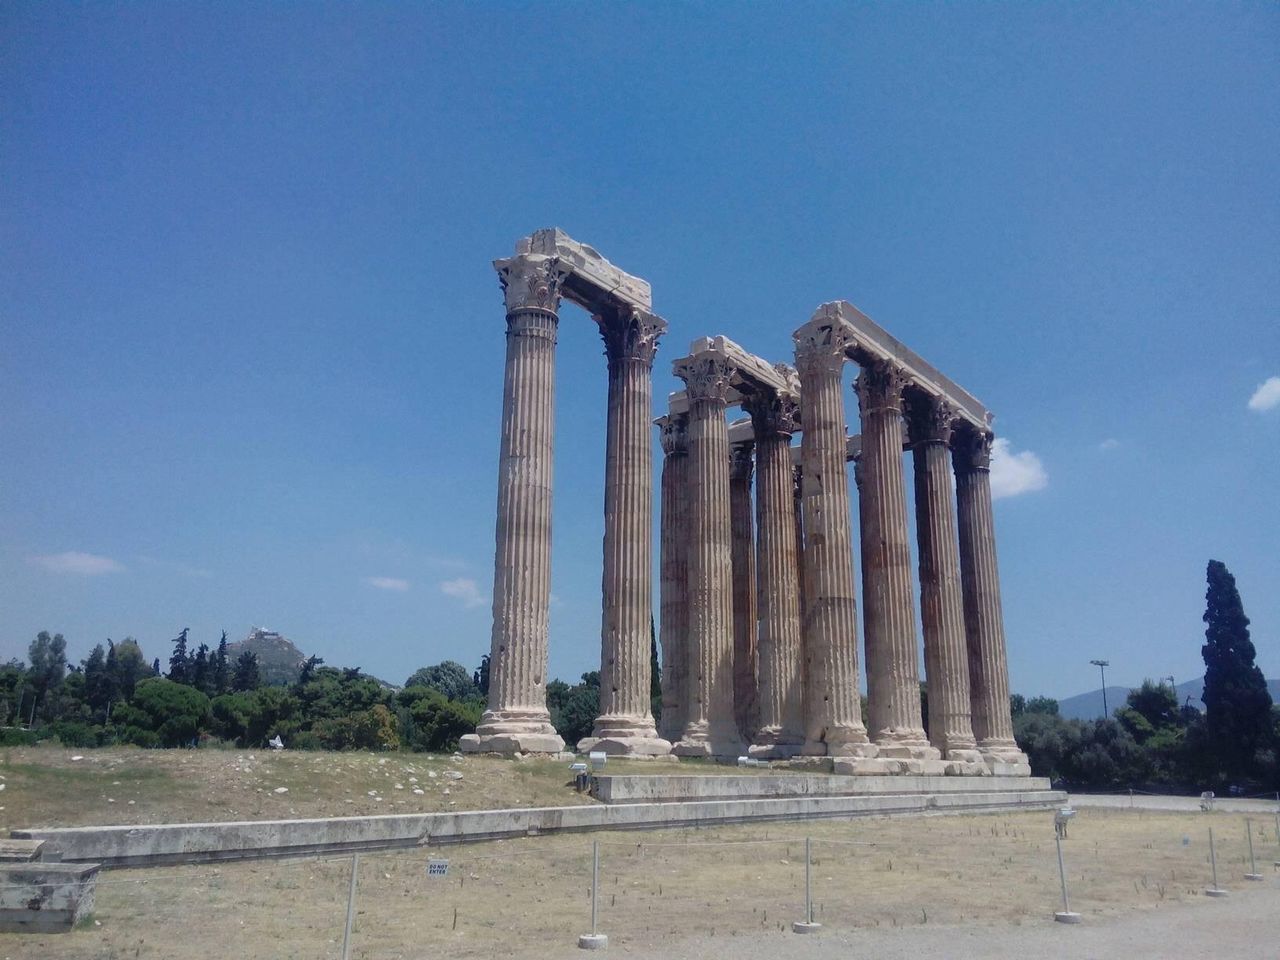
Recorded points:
773,414
706,376
675,433
930,418
531,282
971,450
820,346
879,387
630,333
741,461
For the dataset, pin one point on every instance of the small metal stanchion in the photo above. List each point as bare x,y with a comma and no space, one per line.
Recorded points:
594,940
351,907
1066,914
1253,873
1215,890
807,925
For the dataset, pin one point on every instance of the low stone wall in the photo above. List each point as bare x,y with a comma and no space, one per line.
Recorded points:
635,788
202,842
45,897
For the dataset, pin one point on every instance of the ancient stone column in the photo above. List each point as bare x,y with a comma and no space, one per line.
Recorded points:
625,724
893,673
797,486
833,715
780,695
709,724
983,617
929,425
741,465
517,719
673,627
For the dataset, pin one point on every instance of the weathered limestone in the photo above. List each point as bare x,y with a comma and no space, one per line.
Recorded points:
833,721
517,719
673,627
709,723
930,423
741,466
625,724
780,694
984,619
893,679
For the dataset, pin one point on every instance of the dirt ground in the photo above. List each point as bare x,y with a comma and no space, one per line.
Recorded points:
961,883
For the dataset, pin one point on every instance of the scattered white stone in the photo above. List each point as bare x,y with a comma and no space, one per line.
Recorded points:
453,803
413,779
78,757
110,800
132,802
372,793
399,786
382,762
2,786
445,791
453,774
252,757
282,789
115,783
419,791
431,774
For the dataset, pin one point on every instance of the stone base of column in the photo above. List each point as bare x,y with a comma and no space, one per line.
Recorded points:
966,768
625,737
704,740
908,745
841,742
513,731
1004,758
773,743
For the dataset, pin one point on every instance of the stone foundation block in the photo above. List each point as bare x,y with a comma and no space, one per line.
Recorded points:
45,897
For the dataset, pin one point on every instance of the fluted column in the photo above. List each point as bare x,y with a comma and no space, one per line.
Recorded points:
893,673
709,725
780,696
625,724
797,487
983,617
741,466
833,716
673,628
517,719
929,425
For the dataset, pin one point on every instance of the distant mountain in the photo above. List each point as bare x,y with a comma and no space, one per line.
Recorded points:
279,661
1088,706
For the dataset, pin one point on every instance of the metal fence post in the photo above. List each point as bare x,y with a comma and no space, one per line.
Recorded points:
807,925
1215,890
594,940
1066,914
351,907
1253,873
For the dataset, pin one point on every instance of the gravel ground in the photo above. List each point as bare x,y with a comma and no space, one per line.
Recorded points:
1155,802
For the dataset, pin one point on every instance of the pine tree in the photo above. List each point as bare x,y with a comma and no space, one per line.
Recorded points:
221,672
246,676
1237,704
201,674
180,662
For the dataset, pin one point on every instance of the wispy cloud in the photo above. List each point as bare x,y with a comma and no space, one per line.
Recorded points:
1267,396
183,568
388,583
1015,473
82,564
464,589
1111,443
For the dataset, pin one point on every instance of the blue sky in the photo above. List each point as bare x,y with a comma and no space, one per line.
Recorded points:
252,343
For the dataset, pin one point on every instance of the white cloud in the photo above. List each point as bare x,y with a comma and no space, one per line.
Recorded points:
388,583
1111,443
73,561
1015,473
464,589
1267,396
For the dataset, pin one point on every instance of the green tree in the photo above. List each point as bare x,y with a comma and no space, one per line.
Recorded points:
449,678
247,676
48,656
221,669
574,708
98,685
202,670
481,677
163,713
436,723
1238,723
180,660
129,667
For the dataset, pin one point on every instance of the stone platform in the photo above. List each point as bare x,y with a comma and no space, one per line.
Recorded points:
664,788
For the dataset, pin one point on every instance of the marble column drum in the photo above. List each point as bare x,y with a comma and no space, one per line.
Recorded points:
780,694
833,716
517,720
929,427
893,673
741,467
984,619
625,724
673,624
710,729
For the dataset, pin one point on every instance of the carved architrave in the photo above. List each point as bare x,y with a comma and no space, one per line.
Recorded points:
773,414
879,387
706,376
631,334
531,282
819,347
930,418
675,433
741,461
971,450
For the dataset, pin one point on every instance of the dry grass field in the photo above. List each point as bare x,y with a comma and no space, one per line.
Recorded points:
663,891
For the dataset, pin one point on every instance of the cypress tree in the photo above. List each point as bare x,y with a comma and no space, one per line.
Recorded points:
1237,704
221,672
180,662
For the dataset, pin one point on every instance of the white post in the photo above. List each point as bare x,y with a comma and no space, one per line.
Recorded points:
1253,873
594,940
351,907
807,925
1065,915
1215,890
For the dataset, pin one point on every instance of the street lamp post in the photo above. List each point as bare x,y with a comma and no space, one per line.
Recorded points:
1102,666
